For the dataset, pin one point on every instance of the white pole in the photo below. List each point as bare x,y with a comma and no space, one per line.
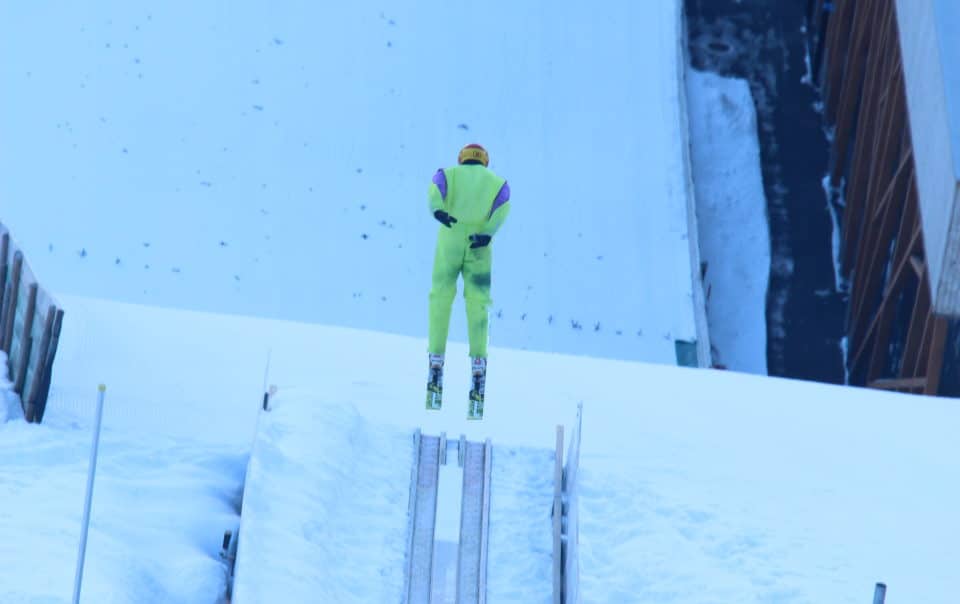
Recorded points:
89,498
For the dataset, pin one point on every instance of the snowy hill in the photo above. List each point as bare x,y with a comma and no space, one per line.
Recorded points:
274,161
695,485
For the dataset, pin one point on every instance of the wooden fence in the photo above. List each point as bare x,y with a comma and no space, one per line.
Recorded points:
30,322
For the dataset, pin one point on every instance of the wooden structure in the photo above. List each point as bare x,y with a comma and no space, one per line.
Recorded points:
895,338
30,323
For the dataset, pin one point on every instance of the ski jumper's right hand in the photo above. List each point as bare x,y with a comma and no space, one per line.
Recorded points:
445,219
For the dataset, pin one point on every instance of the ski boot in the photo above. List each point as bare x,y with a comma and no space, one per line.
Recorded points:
435,382
479,370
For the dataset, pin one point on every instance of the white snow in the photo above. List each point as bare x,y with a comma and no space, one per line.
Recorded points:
159,509
695,485
732,216
324,490
274,161
929,43
9,404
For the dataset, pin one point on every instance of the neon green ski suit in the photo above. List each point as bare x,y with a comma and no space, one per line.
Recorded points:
479,200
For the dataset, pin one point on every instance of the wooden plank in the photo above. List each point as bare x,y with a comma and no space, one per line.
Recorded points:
571,515
867,131
914,341
38,375
900,272
920,363
10,315
4,269
44,393
558,519
898,383
880,353
24,361
871,269
845,44
938,341
874,253
842,100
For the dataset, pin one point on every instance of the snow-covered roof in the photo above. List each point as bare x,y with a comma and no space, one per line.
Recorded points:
930,41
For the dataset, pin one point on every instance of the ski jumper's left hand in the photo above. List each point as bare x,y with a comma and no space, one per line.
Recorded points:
479,240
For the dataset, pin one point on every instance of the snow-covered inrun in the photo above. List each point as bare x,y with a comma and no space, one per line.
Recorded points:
273,160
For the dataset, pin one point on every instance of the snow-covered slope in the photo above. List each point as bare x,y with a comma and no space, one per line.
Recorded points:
159,508
273,160
696,486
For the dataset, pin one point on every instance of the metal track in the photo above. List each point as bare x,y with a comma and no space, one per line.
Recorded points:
475,459
474,521
423,514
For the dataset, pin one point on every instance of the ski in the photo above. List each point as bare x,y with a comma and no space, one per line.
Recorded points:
475,405
435,383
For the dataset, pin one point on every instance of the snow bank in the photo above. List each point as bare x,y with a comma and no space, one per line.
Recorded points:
695,485
9,402
159,510
723,487
520,563
732,216
325,506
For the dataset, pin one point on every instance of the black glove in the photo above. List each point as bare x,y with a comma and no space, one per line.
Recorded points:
479,240
444,218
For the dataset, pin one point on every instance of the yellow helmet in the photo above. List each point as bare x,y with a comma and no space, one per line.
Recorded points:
473,152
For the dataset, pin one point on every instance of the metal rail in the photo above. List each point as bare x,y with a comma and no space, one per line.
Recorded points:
475,458
423,515
471,557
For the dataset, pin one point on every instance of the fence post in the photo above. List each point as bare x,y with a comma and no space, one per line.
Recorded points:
880,593
36,384
4,257
48,366
26,344
89,496
10,315
558,520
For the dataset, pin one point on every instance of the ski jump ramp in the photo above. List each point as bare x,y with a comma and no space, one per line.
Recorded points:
333,504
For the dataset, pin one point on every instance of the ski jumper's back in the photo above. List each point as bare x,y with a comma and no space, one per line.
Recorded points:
479,201
474,195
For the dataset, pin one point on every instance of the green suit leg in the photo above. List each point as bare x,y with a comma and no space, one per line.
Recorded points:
447,262
477,264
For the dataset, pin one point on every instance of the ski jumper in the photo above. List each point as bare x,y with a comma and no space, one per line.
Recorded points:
479,200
